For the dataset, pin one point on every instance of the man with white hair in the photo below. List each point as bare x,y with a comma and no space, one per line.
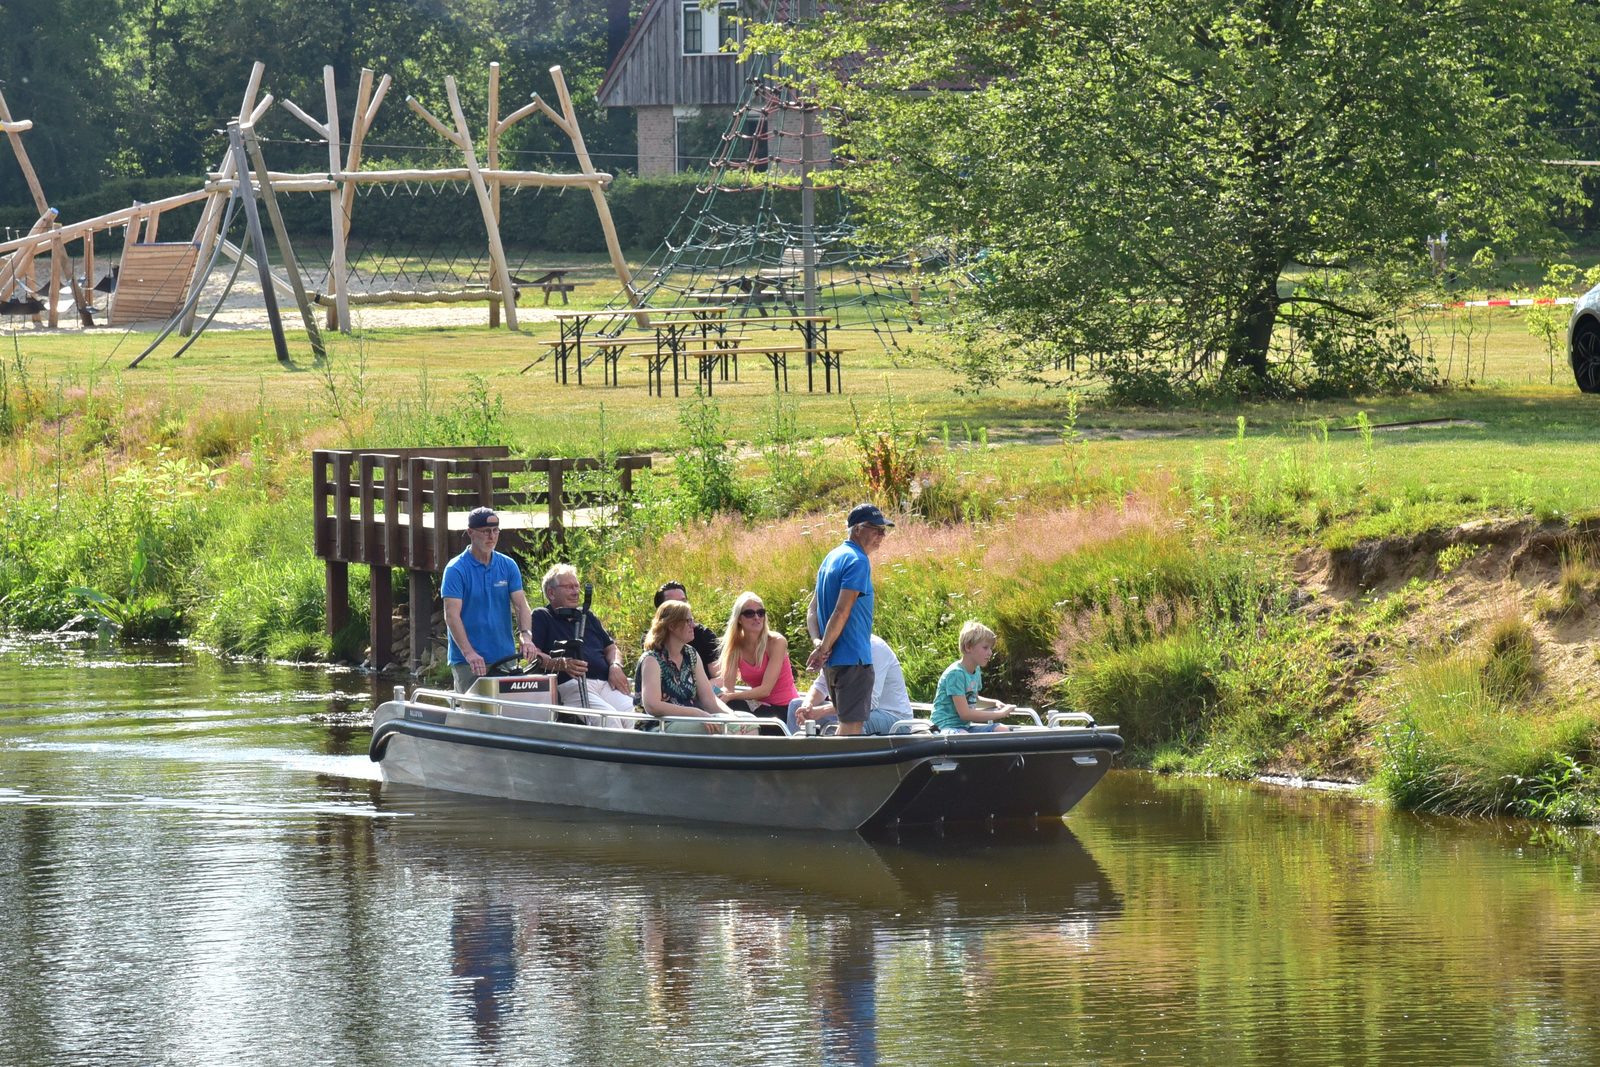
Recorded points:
890,703
590,673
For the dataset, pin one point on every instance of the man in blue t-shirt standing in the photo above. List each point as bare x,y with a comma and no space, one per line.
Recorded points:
844,609
480,588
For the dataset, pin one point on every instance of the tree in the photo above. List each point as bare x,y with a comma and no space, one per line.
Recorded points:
1194,183
52,73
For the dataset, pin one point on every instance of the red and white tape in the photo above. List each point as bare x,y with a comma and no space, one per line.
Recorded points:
1520,302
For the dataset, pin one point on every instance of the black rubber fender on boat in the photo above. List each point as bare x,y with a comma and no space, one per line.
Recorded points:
924,747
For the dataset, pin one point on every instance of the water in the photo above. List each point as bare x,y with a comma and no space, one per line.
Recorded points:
199,866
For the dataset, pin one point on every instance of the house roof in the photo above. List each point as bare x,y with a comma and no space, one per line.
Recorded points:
776,10
620,60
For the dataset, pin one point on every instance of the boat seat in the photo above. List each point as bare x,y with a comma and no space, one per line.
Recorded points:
912,726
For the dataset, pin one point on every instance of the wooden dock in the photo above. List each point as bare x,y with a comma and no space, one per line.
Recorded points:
383,508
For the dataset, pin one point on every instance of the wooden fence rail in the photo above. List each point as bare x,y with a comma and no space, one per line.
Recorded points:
407,507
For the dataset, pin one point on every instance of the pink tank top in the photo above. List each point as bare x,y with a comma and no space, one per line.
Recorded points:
783,692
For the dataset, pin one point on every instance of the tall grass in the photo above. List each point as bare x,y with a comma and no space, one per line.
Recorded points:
1453,743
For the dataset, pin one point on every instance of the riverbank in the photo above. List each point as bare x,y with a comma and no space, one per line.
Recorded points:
1299,592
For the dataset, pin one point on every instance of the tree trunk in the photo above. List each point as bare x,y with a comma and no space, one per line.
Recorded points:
1252,329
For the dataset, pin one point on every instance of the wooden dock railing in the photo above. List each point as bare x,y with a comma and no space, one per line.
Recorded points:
407,507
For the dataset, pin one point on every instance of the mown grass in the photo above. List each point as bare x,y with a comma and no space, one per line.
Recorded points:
1135,564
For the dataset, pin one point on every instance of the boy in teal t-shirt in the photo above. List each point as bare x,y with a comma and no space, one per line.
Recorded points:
957,705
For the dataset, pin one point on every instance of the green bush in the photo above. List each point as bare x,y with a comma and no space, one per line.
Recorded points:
1156,691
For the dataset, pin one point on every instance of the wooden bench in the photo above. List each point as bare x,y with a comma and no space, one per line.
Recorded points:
777,355
608,349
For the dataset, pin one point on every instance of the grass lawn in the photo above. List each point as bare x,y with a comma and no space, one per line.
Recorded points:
1520,442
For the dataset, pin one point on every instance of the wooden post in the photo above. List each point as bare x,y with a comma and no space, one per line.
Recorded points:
321,461
336,582
206,231
380,623
497,252
130,237
553,499
330,133
336,271
441,512
393,547
22,258
88,270
14,131
602,208
421,604
57,252
258,241
492,152
416,534
371,544
343,535
462,139
360,122
281,232
81,299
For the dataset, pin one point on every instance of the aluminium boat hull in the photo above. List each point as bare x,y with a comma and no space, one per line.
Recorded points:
832,783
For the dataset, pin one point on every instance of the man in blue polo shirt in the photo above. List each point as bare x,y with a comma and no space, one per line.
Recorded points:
480,588
844,610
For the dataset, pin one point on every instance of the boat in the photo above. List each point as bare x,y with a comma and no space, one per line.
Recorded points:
507,738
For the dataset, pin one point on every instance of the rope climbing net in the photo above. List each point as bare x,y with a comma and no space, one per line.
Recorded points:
770,227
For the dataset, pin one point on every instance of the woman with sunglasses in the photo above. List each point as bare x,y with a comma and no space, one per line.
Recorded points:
755,661
672,680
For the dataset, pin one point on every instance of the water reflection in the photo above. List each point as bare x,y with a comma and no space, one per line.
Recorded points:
484,960
759,938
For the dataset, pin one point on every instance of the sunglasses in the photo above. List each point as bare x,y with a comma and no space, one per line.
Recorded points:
754,613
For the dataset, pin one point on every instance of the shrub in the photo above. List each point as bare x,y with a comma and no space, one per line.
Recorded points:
1156,691
889,447
705,463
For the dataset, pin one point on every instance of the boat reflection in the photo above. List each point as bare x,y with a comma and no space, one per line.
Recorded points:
579,918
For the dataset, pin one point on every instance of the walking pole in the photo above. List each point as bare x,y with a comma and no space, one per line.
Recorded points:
583,625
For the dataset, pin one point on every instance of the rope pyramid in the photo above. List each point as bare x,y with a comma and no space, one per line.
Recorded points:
741,239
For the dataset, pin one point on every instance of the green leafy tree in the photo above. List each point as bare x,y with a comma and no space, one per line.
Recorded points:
1191,185
52,72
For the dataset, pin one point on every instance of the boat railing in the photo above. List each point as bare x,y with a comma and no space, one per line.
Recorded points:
473,702
1051,720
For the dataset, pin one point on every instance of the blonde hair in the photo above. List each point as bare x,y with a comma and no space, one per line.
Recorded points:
975,633
730,638
671,613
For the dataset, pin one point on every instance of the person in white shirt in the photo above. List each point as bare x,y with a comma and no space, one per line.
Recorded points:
890,703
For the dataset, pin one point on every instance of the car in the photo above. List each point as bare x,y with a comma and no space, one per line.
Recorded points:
1583,341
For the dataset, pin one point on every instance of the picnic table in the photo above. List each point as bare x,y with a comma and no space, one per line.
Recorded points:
813,330
552,280
767,286
573,326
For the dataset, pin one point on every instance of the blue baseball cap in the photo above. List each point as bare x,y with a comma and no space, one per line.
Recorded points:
867,513
478,518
